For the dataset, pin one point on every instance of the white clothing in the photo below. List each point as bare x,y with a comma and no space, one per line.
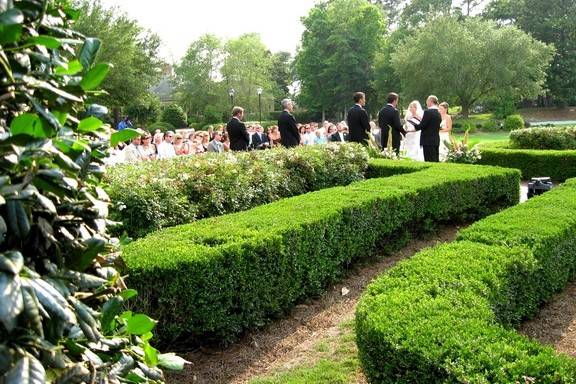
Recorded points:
444,137
166,150
132,154
412,139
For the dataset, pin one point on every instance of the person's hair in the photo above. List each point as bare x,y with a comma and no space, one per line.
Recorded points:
178,136
237,111
359,96
433,99
285,103
167,133
216,133
392,97
445,105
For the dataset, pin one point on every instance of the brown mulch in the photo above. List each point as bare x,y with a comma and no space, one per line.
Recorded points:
287,342
555,324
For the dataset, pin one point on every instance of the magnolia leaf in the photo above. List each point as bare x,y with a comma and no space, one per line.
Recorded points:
17,217
140,324
32,310
72,68
128,294
124,135
171,361
150,355
109,311
46,203
95,76
28,370
10,26
12,302
89,124
30,124
89,51
3,229
47,41
11,262
51,299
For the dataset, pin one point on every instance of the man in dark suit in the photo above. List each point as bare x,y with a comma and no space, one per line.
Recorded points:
289,135
237,133
358,120
260,139
430,128
339,136
389,120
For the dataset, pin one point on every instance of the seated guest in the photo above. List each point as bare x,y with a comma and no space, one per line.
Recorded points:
259,139
131,152
274,136
166,149
226,142
320,138
330,131
205,140
180,147
147,149
340,136
216,144
157,140
309,136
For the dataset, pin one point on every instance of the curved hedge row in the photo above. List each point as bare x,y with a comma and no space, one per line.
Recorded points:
445,315
160,194
559,165
222,275
559,138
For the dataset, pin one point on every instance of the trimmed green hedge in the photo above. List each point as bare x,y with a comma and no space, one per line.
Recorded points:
559,165
445,315
386,168
222,275
160,194
559,138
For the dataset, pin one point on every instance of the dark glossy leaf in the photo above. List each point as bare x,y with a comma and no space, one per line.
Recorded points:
12,302
95,76
47,115
89,51
3,229
10,33
47,41
51,299
11,262
140,324
89,124
30,124
17,217
110,309
11,16
27,370
32,310
84,258
49,87
124,135
70,69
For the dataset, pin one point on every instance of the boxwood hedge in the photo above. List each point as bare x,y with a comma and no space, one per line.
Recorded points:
445,316
216,277
559,165
160,194
559,138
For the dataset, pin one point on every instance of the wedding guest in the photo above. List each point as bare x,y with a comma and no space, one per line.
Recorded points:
289,135
445,129
274,136
259,139
309,137
320,138
147,149
157,140
226,142
131,152
237,133
358,120
166,149
180,147
216,144
389,123
339,136
330,131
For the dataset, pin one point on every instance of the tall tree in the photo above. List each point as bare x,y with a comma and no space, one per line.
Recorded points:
282,76
337,53
552,22
131,50
471,60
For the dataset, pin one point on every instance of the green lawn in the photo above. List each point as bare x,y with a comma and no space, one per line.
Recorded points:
482,137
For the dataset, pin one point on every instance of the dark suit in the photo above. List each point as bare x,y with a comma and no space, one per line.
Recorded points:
336,137
389,119
258,140
238,135
430,136
289,135
358,124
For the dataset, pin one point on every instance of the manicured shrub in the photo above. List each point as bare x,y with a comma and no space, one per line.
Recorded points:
162,126
445,315
225,274
513,122
544,138
491,126
156,195
174,115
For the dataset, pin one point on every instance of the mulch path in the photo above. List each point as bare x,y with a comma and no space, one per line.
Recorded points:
290,341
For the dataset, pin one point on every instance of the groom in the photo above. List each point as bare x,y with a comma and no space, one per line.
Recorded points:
430,127
389,123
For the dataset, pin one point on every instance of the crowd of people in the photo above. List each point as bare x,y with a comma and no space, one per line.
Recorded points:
421,136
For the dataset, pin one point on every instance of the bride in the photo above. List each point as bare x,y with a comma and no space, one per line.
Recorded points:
412,138
445,128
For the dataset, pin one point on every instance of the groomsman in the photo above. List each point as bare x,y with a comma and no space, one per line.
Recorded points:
358,120
289,135
389,120
237,133
430,127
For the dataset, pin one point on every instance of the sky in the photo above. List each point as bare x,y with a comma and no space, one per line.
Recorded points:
179,23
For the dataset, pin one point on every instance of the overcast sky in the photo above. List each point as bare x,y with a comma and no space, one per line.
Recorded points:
181,22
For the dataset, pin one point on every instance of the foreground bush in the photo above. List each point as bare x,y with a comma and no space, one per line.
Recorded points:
445,315
61,315
544,138
161,194
225,274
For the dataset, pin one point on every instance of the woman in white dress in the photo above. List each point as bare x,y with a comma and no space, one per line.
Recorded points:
412,138
445,128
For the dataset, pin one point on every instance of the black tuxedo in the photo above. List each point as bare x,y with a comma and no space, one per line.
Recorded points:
336,137
430,136
358,124
289,135
238,135
389,119
258,141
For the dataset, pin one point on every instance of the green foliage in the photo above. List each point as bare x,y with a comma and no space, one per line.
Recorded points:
229,273
337,53
174,115
145,111
559,165
445,315
61,315
162,126
472,60
513,122
503,105
156,195
544,138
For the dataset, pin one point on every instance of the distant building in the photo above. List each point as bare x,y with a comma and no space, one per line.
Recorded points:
165,88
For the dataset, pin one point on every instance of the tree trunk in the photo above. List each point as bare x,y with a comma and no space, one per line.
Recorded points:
465,110
117,117
323,115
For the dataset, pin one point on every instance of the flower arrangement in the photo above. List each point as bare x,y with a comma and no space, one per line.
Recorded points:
460,151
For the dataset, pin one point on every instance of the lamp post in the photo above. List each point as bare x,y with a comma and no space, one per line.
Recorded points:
231,92
259,91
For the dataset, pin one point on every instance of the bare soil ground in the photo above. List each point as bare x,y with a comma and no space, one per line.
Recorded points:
555,324
290,341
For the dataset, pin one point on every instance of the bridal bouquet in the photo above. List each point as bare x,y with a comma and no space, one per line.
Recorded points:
375,152
460,151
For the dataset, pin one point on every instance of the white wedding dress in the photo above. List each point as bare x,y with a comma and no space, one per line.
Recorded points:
412,141
444,137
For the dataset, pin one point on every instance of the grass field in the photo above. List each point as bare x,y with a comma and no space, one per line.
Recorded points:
482,137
